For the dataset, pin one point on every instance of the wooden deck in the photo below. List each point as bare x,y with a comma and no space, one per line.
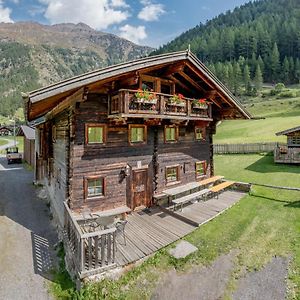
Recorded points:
150,230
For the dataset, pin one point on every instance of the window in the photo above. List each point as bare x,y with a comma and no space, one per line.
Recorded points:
95,134
114,104
137,134
199,134
172,174
294,140
94,187
166,88
148,86
200,169
171,134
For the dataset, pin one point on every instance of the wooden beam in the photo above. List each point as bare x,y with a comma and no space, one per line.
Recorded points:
176,68
191,81
79,96
178,82
211,85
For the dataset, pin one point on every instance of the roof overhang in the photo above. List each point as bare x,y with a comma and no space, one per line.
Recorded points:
52,95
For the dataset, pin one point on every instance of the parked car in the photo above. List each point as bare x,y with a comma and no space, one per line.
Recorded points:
13,155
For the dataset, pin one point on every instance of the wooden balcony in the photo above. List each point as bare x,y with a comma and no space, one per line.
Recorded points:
159,106
286,155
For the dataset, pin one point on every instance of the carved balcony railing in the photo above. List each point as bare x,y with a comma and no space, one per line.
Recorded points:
158,105
285,154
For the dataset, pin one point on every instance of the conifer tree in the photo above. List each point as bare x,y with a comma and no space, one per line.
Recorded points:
258,78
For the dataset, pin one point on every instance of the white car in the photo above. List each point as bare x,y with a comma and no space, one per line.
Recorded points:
13,155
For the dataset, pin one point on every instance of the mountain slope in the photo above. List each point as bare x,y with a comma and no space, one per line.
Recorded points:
262,33
34,55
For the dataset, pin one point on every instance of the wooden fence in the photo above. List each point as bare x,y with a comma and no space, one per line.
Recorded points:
244,148
91,252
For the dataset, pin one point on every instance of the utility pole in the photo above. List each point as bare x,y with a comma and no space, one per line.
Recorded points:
15,142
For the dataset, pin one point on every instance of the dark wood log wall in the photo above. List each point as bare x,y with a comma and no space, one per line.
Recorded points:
57,182
110,159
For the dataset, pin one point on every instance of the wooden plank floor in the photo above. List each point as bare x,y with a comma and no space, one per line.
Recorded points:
149,231
201,212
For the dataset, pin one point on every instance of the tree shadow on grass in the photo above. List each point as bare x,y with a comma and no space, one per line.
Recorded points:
295,204
266,165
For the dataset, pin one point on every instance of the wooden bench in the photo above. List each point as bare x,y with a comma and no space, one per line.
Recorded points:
221,187
190,197
210,180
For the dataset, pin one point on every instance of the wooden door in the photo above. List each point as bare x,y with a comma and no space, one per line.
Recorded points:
140,196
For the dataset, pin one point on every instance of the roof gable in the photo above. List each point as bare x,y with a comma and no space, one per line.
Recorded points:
52,95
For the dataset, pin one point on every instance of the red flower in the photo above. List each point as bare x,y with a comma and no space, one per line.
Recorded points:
180,96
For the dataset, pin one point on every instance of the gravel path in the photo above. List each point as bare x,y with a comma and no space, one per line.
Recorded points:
266,284
205,283
27,238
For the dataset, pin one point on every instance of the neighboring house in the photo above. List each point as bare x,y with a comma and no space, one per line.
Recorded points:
29,144
5,131
290,152
113,139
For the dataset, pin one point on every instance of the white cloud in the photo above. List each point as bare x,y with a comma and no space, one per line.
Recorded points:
132,33
5,13
119,3
151,11
98,14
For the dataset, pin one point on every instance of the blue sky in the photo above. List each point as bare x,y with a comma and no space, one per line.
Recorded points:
146,22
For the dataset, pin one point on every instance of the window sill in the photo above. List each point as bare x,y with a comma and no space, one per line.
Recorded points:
172,183
94,198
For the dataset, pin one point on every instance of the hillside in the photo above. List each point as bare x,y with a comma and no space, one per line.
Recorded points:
34,55
259,41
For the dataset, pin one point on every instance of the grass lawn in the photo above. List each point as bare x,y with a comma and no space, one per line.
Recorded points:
279,114
262,225
252,131
3,142
20,141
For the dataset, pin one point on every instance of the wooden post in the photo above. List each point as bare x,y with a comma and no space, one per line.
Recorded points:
162,105
126,102
189,107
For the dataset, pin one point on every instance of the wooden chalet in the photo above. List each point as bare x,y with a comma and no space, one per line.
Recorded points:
111,141
288,153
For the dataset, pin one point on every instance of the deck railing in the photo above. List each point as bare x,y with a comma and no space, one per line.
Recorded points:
92,252
126,102
285,154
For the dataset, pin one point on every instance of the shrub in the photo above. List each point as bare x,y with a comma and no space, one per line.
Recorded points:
287,94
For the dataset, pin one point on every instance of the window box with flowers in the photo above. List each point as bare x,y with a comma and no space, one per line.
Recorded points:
200,104
176,100
146,97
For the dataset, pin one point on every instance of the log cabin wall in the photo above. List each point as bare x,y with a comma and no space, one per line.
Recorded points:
109,160
57,164
184,154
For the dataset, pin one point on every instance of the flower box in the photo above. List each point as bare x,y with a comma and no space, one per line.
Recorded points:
200,106
179,104
145,101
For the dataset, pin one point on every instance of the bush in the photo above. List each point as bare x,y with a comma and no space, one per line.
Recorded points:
287,94
279,87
